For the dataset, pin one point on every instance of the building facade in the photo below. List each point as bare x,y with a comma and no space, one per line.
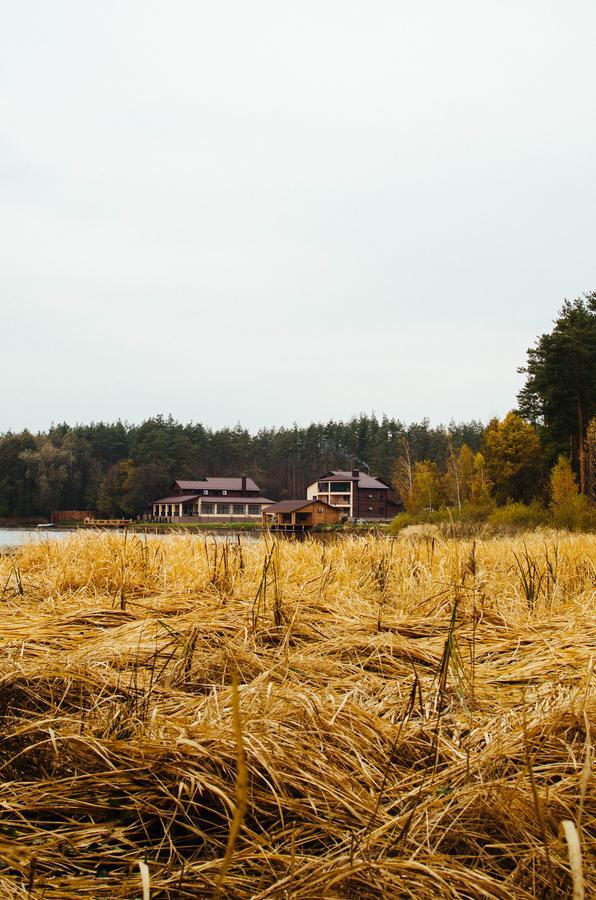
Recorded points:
212,499
299,515
356,495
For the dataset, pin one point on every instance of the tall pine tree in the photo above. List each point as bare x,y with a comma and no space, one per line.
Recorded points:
560,390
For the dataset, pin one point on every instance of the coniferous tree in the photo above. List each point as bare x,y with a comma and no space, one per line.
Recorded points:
560,389
590,452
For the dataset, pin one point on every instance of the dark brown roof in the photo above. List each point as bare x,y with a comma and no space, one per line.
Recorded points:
293,505
218,484
364,481
229,498
181,498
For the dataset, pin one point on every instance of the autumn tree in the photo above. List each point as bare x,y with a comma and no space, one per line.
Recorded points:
426,489
403,474
512,452
459,472
568,506
481,485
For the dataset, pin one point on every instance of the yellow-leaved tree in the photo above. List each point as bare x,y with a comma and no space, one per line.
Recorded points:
426,488
512,452
457,481
568,506
481,486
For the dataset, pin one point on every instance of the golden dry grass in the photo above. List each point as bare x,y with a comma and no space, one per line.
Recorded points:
365,718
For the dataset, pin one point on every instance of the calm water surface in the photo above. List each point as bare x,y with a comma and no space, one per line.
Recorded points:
16,537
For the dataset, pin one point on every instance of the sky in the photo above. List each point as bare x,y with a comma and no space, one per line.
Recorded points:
275,212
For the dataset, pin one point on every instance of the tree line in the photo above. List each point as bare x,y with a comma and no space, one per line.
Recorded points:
543,454
119,468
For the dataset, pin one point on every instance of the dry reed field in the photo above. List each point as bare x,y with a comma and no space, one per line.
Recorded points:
370,717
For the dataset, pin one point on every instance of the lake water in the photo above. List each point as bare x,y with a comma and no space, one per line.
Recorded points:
16,537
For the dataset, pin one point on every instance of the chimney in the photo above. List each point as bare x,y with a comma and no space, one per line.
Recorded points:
355,473
243,484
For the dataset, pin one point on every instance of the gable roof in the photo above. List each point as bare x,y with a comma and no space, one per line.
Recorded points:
229,498
217,484
364,481
180,498
293,505
232,498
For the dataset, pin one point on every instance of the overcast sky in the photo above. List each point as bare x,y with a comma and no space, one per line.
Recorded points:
271,212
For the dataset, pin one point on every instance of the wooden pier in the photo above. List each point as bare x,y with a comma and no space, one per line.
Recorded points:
107,523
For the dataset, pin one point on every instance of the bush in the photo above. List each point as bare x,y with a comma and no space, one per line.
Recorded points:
518,517
476,512
403,519
569,509
574,514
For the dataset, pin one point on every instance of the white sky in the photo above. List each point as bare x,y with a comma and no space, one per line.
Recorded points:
275,212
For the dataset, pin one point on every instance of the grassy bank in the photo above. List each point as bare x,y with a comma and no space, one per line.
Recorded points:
367,718
162,527
492,520
158,527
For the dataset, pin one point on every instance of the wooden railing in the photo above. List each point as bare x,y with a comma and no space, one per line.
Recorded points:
107,523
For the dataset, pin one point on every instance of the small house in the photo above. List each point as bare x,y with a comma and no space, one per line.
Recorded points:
299,515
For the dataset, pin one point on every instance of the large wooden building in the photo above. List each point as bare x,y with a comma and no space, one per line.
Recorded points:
212,499
355,495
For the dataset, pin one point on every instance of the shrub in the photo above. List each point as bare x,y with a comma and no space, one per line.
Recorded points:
477,512
518,516
569,509
426,517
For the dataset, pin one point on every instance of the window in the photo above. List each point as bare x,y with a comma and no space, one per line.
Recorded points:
238,509
323,487
254,509
370,508
205,492
223,509
339,487
320,509
207,509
